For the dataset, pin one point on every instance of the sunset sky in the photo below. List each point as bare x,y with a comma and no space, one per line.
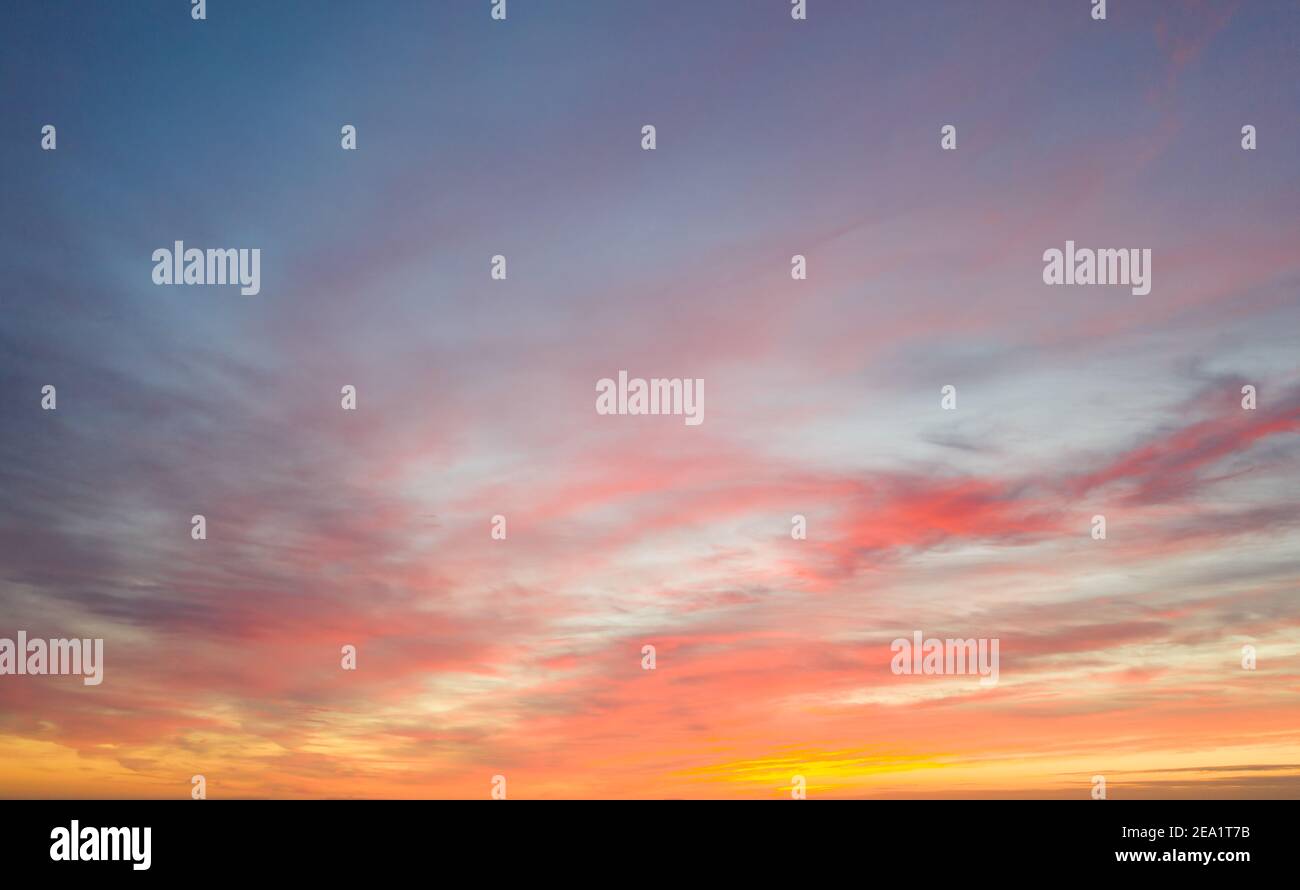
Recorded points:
479,657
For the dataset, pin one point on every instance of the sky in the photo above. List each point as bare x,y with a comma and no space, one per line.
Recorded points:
479,657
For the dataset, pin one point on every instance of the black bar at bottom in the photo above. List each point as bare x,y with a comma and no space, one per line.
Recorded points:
663,841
